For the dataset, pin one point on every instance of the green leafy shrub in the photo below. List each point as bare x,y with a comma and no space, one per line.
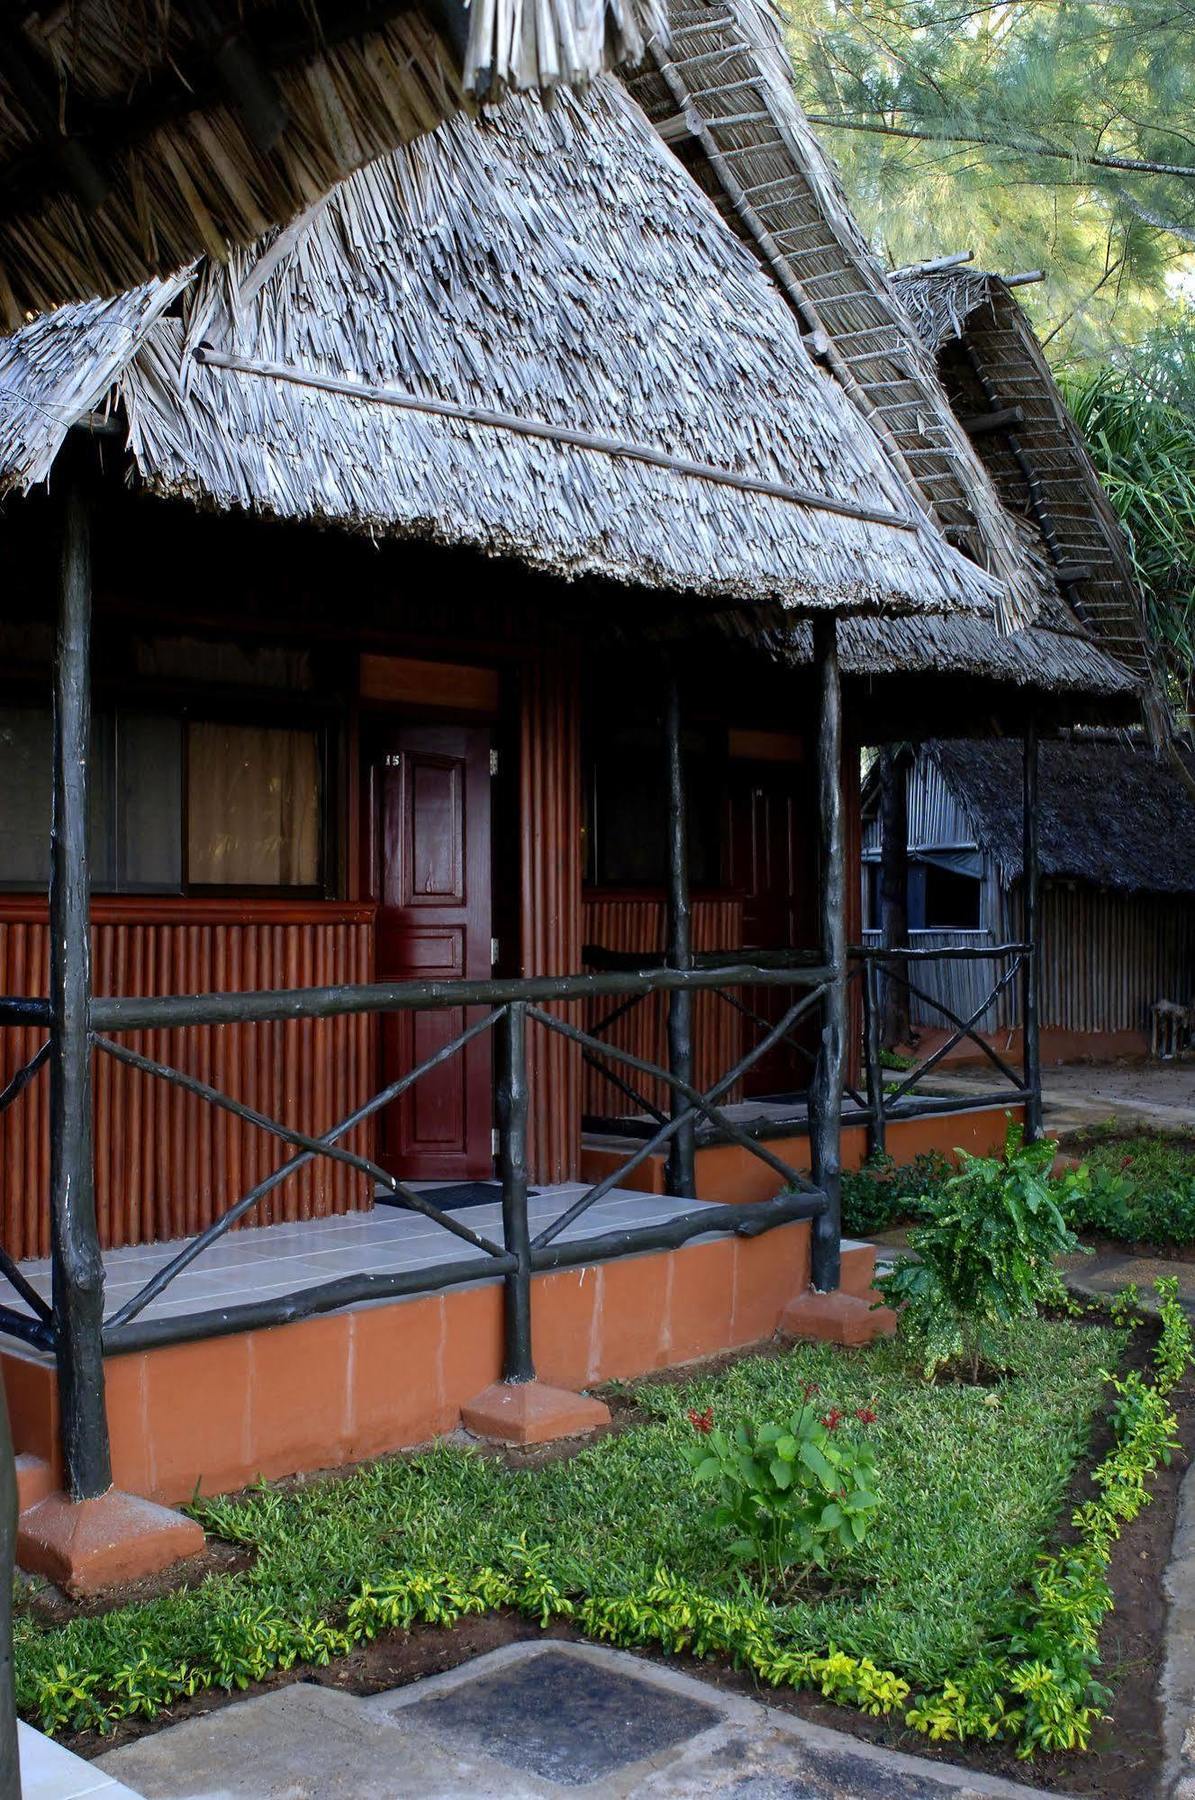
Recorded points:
793,1494
985,1255
885,1193
1139,1195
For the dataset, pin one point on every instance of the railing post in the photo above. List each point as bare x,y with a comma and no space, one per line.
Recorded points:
873,1049
512,1163
78,1271
680,1173
825,1096
1031,966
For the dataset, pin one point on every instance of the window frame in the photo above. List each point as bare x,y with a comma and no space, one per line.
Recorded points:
268,710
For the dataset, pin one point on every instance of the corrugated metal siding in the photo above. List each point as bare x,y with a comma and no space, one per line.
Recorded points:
636,922
936,820
550,801
168,1163
1106,958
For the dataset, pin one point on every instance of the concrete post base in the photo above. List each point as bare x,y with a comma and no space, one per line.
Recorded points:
531,1412
88,1545
836,1318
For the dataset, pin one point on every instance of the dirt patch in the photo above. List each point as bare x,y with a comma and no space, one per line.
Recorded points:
50,1606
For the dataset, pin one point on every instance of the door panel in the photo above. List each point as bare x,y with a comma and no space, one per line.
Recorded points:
772,862
434,924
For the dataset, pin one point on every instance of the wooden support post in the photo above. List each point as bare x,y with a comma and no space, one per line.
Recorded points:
877,1126
78,1272
825,1097
680,1173
512,1163
1031,967
895,1024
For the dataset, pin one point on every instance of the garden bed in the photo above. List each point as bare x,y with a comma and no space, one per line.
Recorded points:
360,1579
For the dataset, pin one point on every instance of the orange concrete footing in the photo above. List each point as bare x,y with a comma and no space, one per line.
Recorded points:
836,1318
729,1173
88,1545
531,1412
1058,1045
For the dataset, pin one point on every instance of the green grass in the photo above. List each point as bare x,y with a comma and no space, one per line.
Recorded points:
972,1483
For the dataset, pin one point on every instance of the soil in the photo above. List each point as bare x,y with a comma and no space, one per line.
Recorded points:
1125,1759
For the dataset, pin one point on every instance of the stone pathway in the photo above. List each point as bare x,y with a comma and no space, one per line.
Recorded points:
1079,1095
528,1721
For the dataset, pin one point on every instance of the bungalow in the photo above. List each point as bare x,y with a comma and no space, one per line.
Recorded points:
454,577
1116,829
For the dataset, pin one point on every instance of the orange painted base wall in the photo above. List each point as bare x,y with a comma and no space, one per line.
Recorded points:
218,1414
1057,1046
728,1173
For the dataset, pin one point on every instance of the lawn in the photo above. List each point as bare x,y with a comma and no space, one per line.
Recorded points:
971,1480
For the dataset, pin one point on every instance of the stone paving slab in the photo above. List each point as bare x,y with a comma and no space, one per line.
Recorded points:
525,1722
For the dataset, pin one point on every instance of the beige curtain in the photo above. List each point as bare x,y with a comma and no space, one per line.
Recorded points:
253,806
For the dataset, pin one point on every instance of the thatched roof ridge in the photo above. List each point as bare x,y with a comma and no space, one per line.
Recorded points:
990,359
722,96
136,135
558,267
1112,811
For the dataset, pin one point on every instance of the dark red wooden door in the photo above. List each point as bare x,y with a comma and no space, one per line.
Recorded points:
771,862
434,923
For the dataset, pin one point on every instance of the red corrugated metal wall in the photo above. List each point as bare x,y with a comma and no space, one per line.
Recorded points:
623,921
168,1163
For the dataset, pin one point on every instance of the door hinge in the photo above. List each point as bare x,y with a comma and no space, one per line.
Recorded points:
493,762
494,950
495,1141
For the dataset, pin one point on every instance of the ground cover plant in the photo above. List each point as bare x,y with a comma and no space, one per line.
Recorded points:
937,1615
884,1193
1134,1187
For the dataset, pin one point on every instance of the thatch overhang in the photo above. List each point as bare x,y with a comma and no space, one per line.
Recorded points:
1112,811
651,414
721,95
993,369
136,135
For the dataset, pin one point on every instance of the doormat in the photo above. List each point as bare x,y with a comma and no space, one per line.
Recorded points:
455,1198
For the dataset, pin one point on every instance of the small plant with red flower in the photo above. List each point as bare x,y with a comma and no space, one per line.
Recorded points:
795,1495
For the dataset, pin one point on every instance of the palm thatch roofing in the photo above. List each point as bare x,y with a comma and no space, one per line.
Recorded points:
721,95
720,92
1112,811
531,335
991,362
136,135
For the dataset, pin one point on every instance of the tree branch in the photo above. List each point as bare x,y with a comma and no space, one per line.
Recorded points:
1125,164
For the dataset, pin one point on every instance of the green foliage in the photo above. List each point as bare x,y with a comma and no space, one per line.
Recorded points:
985,1255
610,1540
884,1193
1136,1191
1136,415
793,1494
974,128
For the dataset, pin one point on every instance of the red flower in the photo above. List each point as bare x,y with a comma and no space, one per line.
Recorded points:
866,1416
1126,1162
702,1421
809,1390
833,1419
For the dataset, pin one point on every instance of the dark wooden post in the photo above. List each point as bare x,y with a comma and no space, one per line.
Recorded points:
680,1173
1031,934
894,887
10,1768
512,1164
78,1272
825,1097
877,1127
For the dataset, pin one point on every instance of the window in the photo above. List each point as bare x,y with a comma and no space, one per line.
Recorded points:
177,805
627,828
951,900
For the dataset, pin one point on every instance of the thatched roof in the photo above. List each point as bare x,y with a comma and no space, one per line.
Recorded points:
722,96
990,361
1111,810
557,269
136,135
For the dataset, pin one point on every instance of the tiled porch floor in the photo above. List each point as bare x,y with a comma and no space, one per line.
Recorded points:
262,1262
